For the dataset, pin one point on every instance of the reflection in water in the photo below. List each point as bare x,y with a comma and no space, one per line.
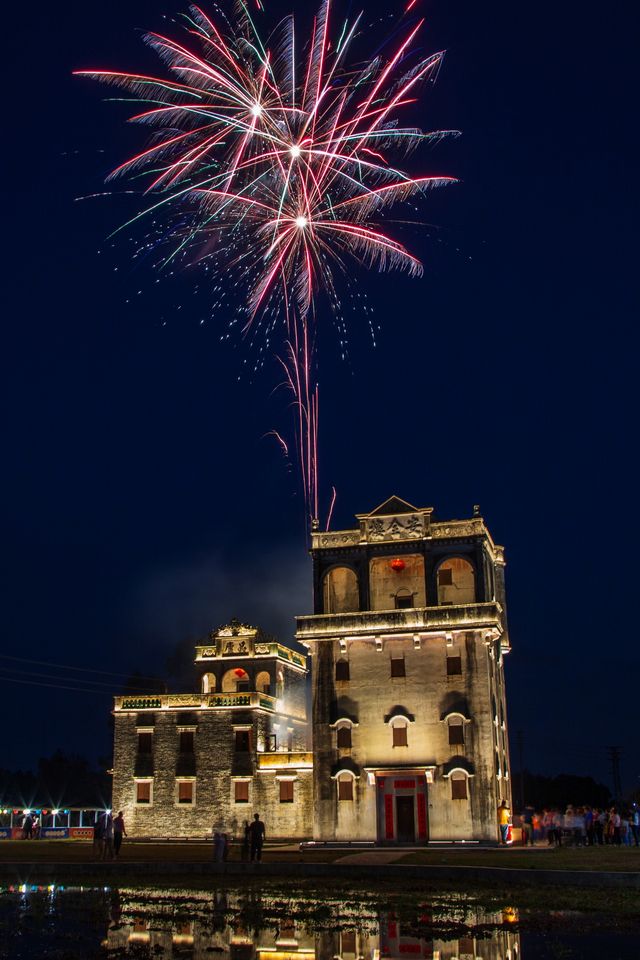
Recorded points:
250,926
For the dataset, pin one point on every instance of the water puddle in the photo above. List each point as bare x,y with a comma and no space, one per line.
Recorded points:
81,923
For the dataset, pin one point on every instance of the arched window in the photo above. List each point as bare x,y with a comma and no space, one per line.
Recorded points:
455,724
397,582
345,781
209,683
263,682
456,582
343,728
235,680
459,790
341,593
399,731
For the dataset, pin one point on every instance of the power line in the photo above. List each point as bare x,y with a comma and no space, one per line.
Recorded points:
36,683
50,676
62,666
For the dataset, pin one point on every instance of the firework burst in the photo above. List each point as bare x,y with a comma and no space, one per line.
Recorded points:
271,162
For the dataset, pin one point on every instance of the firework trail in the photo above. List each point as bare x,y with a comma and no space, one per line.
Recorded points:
270,163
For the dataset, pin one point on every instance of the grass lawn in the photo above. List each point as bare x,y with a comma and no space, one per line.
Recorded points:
566,858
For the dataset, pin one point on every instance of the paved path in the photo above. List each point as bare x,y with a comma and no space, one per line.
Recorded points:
379,857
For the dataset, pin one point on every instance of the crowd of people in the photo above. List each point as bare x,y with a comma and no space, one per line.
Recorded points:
108,832
579,826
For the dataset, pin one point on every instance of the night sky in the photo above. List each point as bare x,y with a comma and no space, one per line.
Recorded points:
142,503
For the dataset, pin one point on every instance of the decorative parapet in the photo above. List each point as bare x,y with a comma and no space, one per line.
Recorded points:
472,616
223,648
412,526
198,701
283,761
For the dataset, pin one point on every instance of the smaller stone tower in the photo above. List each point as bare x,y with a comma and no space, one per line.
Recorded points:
187,763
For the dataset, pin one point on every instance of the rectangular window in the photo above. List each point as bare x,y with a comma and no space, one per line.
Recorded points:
243,686
143,791
348,939
241,791
286,791
186,741
345,788
185,791
403,601
243,741
397,667
145,742
400,736
456,734
459,788
342,669
344,737
445,578
466,948
272,743
454,666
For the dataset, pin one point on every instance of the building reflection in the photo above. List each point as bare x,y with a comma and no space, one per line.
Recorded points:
235,926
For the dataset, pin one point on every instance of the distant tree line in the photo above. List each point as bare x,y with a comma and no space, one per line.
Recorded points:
543,792
62,780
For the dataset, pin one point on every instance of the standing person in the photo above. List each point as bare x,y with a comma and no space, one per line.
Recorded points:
27,827
616,822
218,846
257,834
503,820
107,845
527,825
635,824
98,838
118,833
246,841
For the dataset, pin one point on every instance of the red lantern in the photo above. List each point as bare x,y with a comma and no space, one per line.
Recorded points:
239,672
398,565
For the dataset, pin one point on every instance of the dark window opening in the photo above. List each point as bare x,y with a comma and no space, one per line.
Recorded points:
454,666
445,578
286,791
143,793
398,667
404,601
241,791
348,941
342,669
145,742
456,733
243,741
459,788
344,737
272,743
465,947
400,736
345,788
243,686
185,791
186,741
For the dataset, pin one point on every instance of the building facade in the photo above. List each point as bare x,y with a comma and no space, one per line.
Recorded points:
187,764
407,740
407,642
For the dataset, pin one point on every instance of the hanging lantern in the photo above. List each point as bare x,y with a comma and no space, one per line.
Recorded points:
239,672
398,565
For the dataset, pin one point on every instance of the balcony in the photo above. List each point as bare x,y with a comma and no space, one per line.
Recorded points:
472,616
284,760
202,701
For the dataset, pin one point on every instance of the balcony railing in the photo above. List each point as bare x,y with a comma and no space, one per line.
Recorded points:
214,701
471,616
277,761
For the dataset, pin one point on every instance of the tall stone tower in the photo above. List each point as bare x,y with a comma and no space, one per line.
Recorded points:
407,639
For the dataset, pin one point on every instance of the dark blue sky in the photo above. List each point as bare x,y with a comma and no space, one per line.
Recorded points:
140,504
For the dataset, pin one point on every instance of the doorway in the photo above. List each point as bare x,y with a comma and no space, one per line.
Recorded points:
405,820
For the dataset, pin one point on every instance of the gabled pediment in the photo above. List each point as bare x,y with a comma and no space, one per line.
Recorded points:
391,508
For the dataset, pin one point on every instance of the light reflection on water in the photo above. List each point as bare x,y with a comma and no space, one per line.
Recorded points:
117,923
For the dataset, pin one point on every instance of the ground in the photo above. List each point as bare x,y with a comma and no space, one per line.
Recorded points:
541,857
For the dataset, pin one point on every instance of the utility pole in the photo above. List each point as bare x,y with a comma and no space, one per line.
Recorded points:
614,760
520,742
